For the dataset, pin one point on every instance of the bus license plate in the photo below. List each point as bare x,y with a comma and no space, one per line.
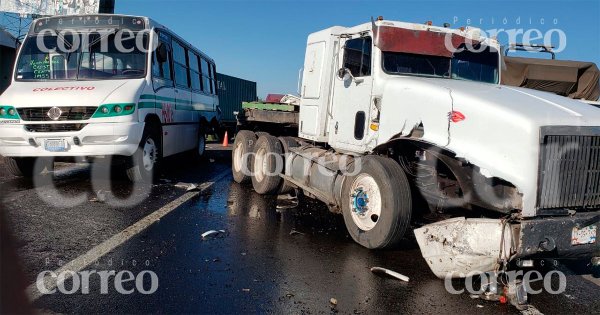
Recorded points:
587,235
56,145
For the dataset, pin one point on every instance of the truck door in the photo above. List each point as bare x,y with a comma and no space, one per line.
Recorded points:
352,95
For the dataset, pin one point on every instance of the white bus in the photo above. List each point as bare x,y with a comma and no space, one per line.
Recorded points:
106,85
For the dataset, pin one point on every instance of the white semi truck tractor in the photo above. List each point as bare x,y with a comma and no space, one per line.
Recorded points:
404,127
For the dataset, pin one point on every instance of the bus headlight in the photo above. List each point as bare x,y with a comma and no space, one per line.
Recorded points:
118,109
2,112
104,110
12,112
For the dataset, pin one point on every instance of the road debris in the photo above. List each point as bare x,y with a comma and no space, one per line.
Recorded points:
212,233
187,186
100,196
379,270
294,232
246,290
286,202
333,301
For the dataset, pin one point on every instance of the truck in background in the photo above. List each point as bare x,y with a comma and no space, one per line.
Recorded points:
232,93
578,80
398,131
8,51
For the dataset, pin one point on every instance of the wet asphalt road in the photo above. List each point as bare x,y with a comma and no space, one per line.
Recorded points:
275,257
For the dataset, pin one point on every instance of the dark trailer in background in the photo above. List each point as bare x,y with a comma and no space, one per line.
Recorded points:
8,51
232,93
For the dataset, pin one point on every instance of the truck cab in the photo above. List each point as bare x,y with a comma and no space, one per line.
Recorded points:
402,123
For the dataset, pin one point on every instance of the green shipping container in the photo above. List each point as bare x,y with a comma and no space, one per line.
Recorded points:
232,92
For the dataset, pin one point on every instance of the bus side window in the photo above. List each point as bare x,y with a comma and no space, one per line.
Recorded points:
213,79
194,71
180,65
206,84
162,69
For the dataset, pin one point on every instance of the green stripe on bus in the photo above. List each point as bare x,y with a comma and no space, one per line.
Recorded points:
149,105
163,98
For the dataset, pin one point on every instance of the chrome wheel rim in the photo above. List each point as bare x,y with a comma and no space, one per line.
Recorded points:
260,164
149,154
365,202
237,157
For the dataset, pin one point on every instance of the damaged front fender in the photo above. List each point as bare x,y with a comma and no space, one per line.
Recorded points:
459,247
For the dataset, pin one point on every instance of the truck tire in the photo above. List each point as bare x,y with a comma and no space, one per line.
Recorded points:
27,167
267,164
240,155
144,162
376,203
287,143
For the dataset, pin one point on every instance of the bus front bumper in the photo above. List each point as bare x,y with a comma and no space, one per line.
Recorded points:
95,139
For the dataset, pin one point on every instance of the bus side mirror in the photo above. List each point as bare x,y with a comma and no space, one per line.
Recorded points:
161,53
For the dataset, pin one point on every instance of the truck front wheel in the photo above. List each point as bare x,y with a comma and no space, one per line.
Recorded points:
376,202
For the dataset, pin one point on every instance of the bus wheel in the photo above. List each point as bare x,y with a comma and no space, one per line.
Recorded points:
243,146
27,167
200,145
376,202
267,163
144,161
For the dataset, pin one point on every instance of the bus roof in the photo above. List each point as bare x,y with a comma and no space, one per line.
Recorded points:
103,21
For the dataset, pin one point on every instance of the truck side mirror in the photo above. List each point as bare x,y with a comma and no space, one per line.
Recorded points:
346,75
161,53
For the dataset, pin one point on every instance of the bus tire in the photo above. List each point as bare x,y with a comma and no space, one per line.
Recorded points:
240,155
144,162
29,166
377,203
267,164
200,148
287,143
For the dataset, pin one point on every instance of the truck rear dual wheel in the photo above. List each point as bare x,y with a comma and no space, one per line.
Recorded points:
376,203
267,164
28,166
243,146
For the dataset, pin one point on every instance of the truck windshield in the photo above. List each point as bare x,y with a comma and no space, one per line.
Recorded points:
464,65
69,57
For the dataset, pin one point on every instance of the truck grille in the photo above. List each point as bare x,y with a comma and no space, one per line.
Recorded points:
68,113
54,127
569,168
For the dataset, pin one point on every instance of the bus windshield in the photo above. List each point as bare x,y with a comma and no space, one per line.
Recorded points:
91,56
468,65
